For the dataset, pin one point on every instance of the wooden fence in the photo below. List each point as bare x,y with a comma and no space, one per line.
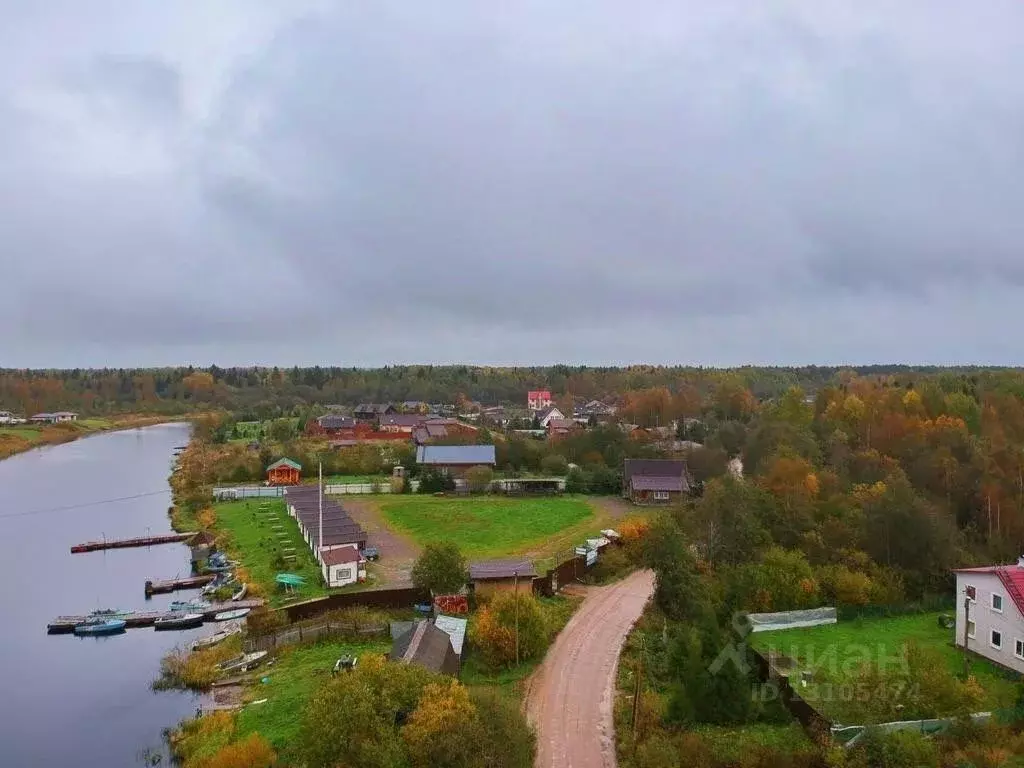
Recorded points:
304,633
400,597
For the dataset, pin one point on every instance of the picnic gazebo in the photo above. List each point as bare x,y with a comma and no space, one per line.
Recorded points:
284,472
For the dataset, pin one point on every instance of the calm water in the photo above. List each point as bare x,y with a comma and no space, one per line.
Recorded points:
85,701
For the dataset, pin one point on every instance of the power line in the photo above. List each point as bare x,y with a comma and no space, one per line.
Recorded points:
47,510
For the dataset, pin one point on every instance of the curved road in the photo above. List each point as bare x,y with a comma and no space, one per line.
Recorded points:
570,697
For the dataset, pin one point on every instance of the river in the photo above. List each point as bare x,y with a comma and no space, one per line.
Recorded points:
85,701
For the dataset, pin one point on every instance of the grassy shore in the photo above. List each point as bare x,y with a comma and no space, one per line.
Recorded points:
486,526
23,437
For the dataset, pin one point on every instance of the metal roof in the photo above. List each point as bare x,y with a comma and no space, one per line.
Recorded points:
501,569
285,463
455,454
648,483
455,628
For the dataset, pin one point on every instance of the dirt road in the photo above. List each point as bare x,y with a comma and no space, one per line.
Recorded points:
570,697
397,552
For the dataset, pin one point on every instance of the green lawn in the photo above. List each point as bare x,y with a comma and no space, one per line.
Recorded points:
255,544
292,681
28,433
733,743
836,650
485,526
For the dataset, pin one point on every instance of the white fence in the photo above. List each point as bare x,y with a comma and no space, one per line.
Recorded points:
332,489
247,492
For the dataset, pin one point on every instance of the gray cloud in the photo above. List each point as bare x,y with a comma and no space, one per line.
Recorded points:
358,184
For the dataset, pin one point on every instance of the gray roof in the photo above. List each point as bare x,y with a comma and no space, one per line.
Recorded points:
455,454
427,646
402,419
501,569
455,628
652,483
333,421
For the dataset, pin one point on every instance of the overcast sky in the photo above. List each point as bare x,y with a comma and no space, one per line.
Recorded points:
526,182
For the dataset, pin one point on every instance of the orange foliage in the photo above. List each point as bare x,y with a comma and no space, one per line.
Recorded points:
634,529
254,751
207,517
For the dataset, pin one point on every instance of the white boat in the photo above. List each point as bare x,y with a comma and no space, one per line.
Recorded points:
216,637
240,593
242,663
238,613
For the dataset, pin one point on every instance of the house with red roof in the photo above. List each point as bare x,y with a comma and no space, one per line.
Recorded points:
990,613
538,399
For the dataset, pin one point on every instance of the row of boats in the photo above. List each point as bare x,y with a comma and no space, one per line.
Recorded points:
183,615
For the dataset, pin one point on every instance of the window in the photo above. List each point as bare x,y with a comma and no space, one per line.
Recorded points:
342,573
1018,648
997,602
663,495
996,639
970,591
971,629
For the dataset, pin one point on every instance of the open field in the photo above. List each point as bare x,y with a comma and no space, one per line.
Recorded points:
253,542
296,675
835,650
486,526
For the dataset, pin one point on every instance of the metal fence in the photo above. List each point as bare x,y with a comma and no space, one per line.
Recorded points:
248,492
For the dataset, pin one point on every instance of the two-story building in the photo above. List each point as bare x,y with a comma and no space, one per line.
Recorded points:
990,613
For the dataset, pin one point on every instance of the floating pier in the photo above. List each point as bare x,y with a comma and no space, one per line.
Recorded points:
67,624
159,587
139,541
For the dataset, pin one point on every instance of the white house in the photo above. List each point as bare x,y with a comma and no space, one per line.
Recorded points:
340,565
990,612
547,415
6,417
59,417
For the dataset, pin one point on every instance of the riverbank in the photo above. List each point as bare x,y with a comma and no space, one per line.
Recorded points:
18,438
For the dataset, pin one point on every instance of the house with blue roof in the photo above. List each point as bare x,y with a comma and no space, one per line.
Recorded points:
455,460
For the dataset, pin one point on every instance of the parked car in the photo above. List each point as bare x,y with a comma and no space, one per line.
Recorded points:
371,553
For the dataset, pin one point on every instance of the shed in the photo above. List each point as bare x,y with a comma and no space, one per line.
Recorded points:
284,472
428,646
340,565
491,576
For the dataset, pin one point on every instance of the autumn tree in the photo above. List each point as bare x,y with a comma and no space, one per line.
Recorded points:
440,569
495,631
436,732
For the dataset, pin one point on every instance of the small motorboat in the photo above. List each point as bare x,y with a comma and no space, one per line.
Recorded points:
189,605
101,627
183,621
240,593
238,613
242,663
217,637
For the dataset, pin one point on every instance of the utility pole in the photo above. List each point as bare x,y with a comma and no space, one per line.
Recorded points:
515,592
320,544
967,619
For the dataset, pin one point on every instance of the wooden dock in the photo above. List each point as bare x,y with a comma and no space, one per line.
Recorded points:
65,624
162,586
139,541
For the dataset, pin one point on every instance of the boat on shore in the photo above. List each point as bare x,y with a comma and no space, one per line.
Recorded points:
242,663
238,613
240,593
217,637
183,621
100,627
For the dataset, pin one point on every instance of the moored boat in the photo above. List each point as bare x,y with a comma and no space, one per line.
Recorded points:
215,638
182,621
101,627
240,593
229,615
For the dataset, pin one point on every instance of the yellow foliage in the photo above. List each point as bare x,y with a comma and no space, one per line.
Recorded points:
634,529
853,409
253,751
440,723
207,518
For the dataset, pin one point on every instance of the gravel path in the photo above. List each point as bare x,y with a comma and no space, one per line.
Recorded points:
397,553
570,697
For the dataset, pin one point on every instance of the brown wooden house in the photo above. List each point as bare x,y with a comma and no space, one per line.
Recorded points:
284,472
654,481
